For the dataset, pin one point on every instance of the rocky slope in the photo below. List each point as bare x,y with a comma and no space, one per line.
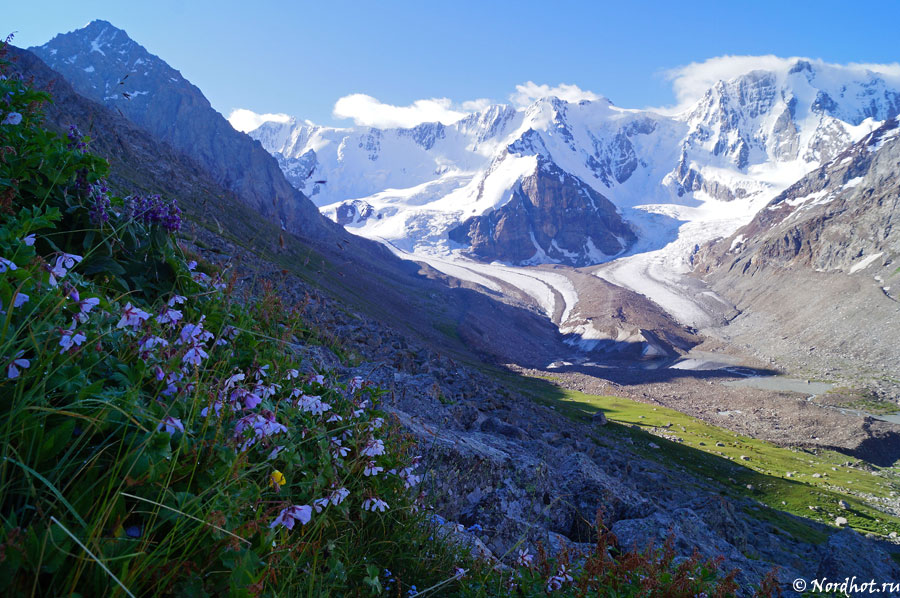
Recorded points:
494,458
816,269
503,470
102,63
458,320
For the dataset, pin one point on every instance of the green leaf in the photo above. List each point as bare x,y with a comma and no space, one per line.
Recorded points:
102,263
55,440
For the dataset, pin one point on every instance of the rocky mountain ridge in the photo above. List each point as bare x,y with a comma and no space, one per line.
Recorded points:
550,210
743,140
102,63
815,273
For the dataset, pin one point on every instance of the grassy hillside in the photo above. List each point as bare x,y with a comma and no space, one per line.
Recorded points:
161,437
787,480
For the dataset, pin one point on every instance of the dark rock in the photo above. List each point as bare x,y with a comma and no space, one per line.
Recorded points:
492,425
553,217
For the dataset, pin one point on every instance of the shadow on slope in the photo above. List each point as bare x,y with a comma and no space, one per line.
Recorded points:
784,479
625,373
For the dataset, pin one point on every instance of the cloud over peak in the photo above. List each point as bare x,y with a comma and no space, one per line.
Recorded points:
690,82
530,91
367,111
246,120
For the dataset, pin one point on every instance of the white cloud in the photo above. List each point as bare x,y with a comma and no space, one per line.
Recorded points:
477,105
246,120
370,112
691,81
531,91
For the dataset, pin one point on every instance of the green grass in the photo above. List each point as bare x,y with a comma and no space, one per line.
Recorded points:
859,399
448,329
763,478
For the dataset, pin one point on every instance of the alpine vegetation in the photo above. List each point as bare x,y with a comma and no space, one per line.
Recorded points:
161,435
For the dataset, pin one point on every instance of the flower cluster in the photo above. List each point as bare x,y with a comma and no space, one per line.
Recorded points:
98,203
152,209
76,139
562,577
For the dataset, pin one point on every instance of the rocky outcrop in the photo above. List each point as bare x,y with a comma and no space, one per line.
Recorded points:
815,272
352,212
102,63
842,217
552,217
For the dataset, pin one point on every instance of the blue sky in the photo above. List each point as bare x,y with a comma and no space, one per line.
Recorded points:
300,58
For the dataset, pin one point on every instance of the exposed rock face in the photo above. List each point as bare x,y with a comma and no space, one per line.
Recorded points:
778,116
104,64
842,217
352,212
815,272
552,216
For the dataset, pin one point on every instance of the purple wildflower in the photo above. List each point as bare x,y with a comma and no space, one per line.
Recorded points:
169,316
372,469
194,333
12,372
132,316
153,210
217,409
150,342
70,338
6,264
76,139
195,355
374,447
12,118
374,504
84,307
61,267
170,424
287,517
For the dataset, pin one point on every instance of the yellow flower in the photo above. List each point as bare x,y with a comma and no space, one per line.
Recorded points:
277,479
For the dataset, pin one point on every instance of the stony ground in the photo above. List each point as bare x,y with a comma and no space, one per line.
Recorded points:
509,471
785,418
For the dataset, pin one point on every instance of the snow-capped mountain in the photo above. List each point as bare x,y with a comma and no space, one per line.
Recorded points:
440,188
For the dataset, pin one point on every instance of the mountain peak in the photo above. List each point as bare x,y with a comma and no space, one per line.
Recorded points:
103,63
100,38
98,24
800,66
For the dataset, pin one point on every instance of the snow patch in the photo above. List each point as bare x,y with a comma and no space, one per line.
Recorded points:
865,262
